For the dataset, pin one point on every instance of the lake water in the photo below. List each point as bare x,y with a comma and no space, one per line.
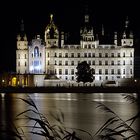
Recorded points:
80,112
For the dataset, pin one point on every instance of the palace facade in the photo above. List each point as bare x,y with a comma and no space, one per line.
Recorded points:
51,62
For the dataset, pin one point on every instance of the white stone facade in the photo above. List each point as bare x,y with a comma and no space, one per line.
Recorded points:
110,62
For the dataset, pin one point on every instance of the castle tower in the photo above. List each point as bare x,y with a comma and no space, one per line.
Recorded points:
127,37
51,34
115,38
86,32
22,51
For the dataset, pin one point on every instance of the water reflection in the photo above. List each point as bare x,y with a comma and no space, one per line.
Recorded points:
79,110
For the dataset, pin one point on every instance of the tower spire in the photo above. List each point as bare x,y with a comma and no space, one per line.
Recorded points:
103,32
22,26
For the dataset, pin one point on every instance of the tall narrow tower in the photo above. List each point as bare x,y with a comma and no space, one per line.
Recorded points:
22,52
127,37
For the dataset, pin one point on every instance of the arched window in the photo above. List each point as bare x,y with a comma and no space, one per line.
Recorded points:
36,52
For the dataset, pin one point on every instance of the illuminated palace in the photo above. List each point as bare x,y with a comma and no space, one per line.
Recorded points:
51,62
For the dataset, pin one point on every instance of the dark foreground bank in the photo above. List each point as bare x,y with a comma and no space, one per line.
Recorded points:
69,89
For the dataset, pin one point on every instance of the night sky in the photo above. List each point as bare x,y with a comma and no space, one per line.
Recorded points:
68,15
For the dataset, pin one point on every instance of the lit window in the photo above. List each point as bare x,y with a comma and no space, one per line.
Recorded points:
72,71
119,55
66,54
66,63
72,62
66,71
123,62
60,71
72,54
100,54
89,54
123,71
112,54
106,62
124,54
106,54
93,62
78,55
60,62
60,54
100,71
112,71
112,62
100,62
36,52
106,71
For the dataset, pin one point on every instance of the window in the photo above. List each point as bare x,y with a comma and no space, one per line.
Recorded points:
89,62
40,54
60,62
60,54
48,55
72,78
124,54
93,62
66,71
130,62
18,56
89,46
130,54
93,46
72,54
66,54
100,54
66,78
48,62
131,71
72,71
25,63
36,52
78,54
25,56
100,71
119,62
32,55
112,54
72,62
89,54
123,62
93,54
106,78
106,54
106,71
55,62
60,71
119,71
112,71
100,78
100,62
85,46
66,63
55,71
123,71
112,62
106,62
119,55
55,55
85,54
18,63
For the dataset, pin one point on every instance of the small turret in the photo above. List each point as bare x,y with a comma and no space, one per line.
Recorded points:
115,38
127,36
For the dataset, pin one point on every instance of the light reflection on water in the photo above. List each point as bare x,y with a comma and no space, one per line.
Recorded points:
79,109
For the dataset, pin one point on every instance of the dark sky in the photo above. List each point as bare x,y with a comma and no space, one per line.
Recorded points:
68,16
